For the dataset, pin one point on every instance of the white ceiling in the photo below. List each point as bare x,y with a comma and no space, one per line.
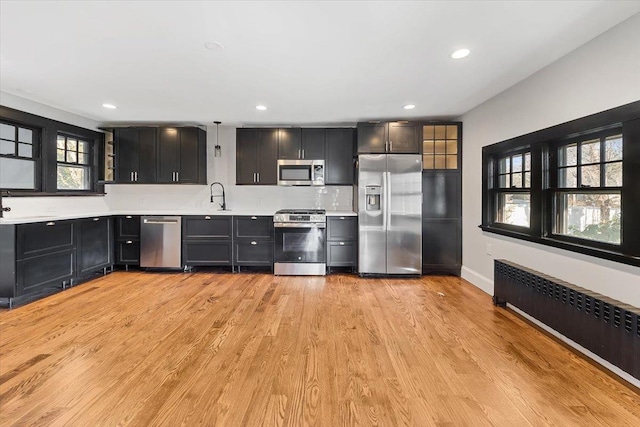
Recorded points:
309,62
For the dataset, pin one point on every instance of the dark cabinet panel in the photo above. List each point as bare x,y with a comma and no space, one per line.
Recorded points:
441,245
128,227
289,143
267,153
342,228
253,227
339,167
372,137
94,247
246,156
43,271
206,253
168,154
441,194
341,254
147,149
404,137
188,172
128,252
42,237
206,227
127,151
253,252
313,144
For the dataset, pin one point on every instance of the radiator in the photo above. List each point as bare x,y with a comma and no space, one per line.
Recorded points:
600,324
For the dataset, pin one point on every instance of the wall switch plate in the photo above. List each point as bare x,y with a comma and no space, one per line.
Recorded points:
489,248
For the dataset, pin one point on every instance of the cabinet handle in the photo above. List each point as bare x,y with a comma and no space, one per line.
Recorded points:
254,217
131,176
390,145
341,243
51,223
96,219
303,153
128,216
177,176
258,173
207,217
341,217
299,153
129,242
136,176
254,242
254,177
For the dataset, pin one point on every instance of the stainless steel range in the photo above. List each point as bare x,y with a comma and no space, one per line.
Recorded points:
300,236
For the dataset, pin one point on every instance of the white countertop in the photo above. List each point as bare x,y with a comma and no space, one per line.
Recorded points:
53,217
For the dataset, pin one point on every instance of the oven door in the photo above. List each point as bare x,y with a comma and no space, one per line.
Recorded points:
299,243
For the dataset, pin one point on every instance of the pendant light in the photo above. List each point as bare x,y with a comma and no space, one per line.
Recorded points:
217,150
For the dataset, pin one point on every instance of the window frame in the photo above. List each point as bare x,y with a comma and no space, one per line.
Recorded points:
35,158
544,145
496,191
90,170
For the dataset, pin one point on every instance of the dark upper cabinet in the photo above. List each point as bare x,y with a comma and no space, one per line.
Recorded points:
339,168
136,154
256,156
296,144
392,137
95,244
160,155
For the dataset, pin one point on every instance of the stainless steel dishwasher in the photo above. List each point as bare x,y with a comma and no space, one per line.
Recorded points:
161,242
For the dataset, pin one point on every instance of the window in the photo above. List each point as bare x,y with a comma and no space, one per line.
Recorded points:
74,164
587,200
512,184
440,147
573,186
18,157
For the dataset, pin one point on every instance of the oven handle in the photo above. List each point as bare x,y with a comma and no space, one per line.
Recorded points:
299,225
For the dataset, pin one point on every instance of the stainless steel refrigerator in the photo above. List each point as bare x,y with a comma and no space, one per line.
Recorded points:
390,214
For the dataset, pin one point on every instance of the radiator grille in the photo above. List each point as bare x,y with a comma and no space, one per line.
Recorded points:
606,327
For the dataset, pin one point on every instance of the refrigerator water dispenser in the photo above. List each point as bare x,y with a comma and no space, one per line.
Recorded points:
372,197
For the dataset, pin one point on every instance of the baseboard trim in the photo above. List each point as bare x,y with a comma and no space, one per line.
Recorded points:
478,280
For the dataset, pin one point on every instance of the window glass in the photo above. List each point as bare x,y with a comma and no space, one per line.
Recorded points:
7,132
17,174
590,152
613,148
73,177
25,135
590,216
568,155
514,209
73,156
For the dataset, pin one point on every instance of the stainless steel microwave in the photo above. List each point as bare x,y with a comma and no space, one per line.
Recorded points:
301,172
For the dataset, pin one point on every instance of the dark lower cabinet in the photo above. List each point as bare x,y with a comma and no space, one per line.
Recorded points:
128,253
127,240
342,242
252,241
95,245
206,253
253,253
207,240
50,270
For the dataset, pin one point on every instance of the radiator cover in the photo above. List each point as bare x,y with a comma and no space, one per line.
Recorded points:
604,326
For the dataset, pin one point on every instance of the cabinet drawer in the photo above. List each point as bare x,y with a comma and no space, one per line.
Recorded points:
342,228
205,253
128,227
206,227
43,237
43,271
341,254
128,252
253,227
253,252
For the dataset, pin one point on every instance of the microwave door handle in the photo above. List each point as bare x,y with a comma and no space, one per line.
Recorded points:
303,153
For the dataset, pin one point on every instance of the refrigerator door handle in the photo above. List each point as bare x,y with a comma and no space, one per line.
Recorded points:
388,200
383,203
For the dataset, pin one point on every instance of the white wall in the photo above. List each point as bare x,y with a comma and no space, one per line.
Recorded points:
37,206
602,74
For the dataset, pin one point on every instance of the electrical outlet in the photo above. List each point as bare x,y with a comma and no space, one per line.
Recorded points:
489,249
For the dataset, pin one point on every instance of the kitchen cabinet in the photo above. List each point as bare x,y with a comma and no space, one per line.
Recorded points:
391,137
253,241
127,240
35,258
165,155
207,240
442,198
135,155
339,157
342,244
181,156
256,156
306,143
94,245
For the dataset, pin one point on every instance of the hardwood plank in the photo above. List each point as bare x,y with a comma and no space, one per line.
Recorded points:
219,349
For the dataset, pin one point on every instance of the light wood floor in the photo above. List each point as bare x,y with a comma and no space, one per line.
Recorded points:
215,349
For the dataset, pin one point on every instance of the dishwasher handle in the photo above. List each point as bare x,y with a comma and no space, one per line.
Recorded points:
160,221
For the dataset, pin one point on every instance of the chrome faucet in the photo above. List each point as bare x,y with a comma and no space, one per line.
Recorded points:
3,209
223,205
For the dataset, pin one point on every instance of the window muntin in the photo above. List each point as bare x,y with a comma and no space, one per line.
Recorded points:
592,163
18,157
74,166
515,171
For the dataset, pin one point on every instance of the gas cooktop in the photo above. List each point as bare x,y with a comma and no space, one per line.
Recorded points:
302,211
300,216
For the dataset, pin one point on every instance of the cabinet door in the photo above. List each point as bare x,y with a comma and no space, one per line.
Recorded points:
206,252
128,252
404,137
372,138
289,145
313,144
44,237
189,156
339,169
267,156
94,244
253,252
342,228
147,152
246,156
206,227
44,271
341,254
168,155
126,151
253,227
128,227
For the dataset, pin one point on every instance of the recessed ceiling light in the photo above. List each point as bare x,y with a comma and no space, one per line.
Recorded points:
214,46
109,106
460,53
261,107
409,107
